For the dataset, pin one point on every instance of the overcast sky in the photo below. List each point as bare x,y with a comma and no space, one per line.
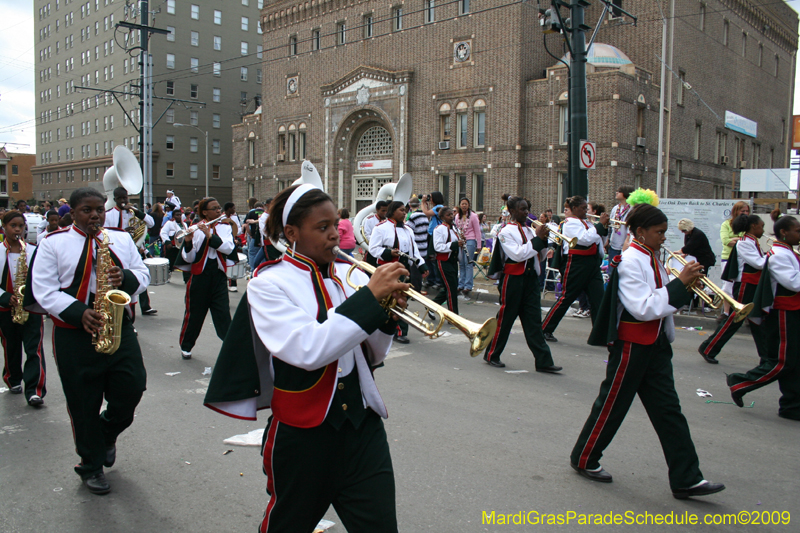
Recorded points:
18,72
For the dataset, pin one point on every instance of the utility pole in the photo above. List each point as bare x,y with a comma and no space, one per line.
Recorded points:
574,30
145,97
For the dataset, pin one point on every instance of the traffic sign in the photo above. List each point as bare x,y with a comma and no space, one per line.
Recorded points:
588,153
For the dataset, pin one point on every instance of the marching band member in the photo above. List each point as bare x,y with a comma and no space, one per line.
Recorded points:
520,294
316,340
270,251
635,321
62,282
392,240
170,249
381,207
120,215
778,294
616,241
446,244
236,229
174,200
582,269
207,288
744,268
51,218
16,337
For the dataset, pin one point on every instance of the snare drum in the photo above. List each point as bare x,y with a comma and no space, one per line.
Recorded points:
159,270
239,270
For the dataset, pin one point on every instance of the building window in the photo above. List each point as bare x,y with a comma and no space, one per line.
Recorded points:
171,7
195,38
259,51
292,146
215,146
193,91
444,187
702,22
341,33
678,170
258,75
215,120
216,94
170,170
217,42
251,152
430,15
777,64
217,17
479,124
293,45
681,86
563,124
281,143
463,7
244,48
640,125
243,74
170,142
193,115
193,171
368,21
245,23
170,116
214,172
195,62
397,18
744,44
171,34
477,192
756,156
760,55
697,131
171,61
14,170
461,187
217,68
193,144
315,39
195,12
301,143
726,26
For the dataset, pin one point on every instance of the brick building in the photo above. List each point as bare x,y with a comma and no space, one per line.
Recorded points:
465,97
16,180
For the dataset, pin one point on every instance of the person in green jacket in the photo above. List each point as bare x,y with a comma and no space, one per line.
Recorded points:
729,240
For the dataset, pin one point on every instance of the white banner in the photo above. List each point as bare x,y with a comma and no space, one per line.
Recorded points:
741,124
379,164
766,180
707,215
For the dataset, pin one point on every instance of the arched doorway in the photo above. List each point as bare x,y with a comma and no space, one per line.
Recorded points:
373,162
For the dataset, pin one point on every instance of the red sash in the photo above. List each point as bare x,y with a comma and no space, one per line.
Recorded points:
639,332
592,250
751,277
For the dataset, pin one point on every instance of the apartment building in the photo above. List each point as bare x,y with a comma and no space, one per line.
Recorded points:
206,75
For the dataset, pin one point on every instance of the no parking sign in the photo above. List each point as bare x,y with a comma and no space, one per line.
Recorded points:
588,155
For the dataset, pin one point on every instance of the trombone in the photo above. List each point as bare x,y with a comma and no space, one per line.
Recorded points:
773,240
479,335
559,237
740,310
180,235
613,221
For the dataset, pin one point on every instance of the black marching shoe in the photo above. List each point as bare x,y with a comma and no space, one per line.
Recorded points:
16,389
150,312
735,396
35,401
549,337
495,363
97,484
402,339
111,456
708,358
553,369
703,489
601,476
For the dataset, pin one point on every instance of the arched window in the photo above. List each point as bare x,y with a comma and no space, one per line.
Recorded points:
376,142
292,142
461,124
445,122
281,143
479,124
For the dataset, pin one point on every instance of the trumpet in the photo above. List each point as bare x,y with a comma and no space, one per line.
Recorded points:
181,234
559,237
740,310
773,240
479,334
613,221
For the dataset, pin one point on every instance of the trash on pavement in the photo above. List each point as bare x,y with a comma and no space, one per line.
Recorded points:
226,452
170,374
323,525
254,438
703,393
207,371
516,371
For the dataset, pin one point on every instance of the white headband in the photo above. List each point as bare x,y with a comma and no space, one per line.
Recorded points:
294,197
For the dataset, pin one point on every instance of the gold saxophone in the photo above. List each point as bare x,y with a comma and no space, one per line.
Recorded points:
19,315
109,302
135,227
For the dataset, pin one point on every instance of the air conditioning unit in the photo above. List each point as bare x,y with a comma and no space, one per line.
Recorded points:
723,160
444,145
641,141
742,164
281,157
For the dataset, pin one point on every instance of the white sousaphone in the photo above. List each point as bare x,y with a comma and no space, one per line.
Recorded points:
126,173
308,174
398,192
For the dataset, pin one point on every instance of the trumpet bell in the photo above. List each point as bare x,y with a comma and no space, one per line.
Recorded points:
482,337
742,311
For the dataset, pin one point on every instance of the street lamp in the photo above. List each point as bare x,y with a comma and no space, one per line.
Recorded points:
205,133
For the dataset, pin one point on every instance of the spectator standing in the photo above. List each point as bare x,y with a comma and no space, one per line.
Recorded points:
729,240
347,239
63,207
619,212
418,222
470,227
253,233
430,206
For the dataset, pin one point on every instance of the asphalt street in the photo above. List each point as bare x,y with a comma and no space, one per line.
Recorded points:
466,439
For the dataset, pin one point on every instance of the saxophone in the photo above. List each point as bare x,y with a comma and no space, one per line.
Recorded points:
19,315
109,302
